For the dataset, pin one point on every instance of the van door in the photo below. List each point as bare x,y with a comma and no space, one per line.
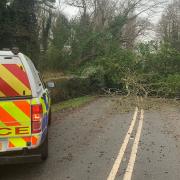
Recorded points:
15,103
14,81
15,118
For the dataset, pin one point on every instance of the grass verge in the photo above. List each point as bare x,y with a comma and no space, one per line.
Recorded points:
72,103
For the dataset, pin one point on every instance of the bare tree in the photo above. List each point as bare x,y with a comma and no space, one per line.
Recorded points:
84,7
169,25
45,10
102,12
139,7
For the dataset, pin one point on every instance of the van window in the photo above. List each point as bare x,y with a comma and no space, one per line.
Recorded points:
13,78
35,74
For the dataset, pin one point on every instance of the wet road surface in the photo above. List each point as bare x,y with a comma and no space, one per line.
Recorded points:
87,144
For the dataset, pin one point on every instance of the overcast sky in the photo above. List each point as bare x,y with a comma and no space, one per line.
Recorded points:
70,12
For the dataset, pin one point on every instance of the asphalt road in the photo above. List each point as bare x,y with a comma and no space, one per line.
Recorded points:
109,139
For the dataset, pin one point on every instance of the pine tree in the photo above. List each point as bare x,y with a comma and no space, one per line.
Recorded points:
25,30
6,24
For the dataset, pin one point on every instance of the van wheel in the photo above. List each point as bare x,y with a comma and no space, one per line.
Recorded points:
44,149
49,117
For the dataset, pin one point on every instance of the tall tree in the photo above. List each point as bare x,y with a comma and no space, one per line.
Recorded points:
169,26
6,24
26,24
25,28
45,15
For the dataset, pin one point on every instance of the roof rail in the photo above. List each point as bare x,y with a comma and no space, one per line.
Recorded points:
6,49
15,50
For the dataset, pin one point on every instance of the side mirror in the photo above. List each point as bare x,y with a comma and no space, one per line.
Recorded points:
50,85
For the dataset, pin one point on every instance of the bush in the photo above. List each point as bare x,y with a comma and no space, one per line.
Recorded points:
54,59
70,88
110,70
173,85
95,75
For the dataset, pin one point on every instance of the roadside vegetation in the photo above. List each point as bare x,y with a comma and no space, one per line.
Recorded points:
72,104
107,44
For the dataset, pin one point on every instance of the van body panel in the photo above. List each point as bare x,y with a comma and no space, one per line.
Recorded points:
15,124
21,89
15,118
13,80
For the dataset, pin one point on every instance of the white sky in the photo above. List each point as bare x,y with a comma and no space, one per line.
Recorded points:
69,11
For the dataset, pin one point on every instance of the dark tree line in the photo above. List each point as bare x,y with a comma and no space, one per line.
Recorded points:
21,26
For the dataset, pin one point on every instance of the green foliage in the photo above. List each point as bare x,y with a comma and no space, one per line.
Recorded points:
96,75
117,25
162,60
25,22
109,71
172,85
61,32
57,55
54,59
152,70
21,27
18,26
71,88
73,103
6,24
162,66
87,43
82,46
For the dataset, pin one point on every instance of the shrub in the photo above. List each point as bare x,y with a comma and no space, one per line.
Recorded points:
70,88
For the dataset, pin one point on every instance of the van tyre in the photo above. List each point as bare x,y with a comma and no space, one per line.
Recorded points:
49,117
44,149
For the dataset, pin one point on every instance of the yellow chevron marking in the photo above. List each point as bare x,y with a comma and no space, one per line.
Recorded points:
16,84
2,124
18,142
16,113
2,94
